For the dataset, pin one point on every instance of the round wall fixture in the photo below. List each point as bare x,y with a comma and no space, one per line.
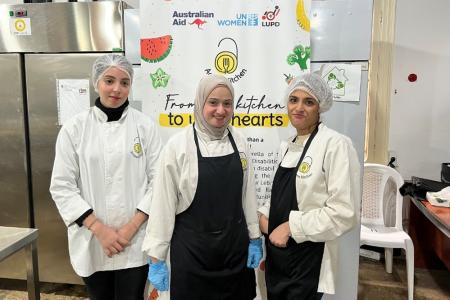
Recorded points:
412,77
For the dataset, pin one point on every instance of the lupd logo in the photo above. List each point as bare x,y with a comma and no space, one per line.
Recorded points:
268,19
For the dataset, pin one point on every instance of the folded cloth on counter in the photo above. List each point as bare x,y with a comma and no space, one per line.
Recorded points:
441,198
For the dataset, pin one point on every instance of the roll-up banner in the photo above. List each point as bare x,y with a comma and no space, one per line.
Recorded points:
258,45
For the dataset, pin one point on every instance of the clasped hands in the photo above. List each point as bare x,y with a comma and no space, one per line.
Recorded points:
113,241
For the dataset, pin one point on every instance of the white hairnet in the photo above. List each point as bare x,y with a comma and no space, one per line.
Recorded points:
314,85
103,63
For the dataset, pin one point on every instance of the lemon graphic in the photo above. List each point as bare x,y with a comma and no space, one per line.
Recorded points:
20,25
304,167
137,148
244,163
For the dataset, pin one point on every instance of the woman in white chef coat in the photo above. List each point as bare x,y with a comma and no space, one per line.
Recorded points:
101,183
204,206
313,198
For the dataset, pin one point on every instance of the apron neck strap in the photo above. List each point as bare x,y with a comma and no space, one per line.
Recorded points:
308,143
230,136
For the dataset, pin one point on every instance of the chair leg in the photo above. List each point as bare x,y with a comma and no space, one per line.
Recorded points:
410,267
388,253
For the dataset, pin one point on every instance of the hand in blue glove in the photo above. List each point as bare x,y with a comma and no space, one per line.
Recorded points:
158,275
255,253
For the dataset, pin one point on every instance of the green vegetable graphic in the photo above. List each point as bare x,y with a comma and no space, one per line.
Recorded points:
159,78
300,56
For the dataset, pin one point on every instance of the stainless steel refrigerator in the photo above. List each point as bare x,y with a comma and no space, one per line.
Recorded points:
341,33
39,44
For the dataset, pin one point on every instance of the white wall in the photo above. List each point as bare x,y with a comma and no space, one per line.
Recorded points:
420,111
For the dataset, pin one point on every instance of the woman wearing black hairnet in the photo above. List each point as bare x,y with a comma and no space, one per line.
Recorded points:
313,198
101,183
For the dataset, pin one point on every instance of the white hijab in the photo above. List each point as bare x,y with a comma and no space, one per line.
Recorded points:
206,85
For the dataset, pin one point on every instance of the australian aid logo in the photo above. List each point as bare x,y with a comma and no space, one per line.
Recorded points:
193,18
269,18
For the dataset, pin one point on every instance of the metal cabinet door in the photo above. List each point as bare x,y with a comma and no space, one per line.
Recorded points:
13,176
42,71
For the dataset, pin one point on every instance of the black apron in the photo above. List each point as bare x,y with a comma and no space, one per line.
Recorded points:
291,272
209,246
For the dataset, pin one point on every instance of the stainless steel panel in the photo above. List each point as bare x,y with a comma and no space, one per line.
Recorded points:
13,178
349,118
341,30
42,71
65,27
132,28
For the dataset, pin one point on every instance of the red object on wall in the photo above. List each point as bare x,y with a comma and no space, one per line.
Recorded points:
412,77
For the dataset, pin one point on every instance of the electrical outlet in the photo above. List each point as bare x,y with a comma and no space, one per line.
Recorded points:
393,154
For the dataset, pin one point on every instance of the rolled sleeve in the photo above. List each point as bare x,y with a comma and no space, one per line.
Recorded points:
265,209
295,225
156,248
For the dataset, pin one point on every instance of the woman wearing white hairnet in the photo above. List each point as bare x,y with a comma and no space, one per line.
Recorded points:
101,183
204,206
313,198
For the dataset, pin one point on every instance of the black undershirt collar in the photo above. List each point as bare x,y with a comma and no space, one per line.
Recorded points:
113,114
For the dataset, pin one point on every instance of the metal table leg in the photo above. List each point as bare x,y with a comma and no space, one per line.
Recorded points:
32,271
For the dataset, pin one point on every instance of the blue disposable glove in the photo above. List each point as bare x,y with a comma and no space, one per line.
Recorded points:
255,253
158,275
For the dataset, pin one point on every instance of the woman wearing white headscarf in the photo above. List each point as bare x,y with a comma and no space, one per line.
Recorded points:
204,206
313,198
105,161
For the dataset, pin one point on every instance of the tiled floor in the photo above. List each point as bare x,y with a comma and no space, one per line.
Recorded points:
16,290
374,284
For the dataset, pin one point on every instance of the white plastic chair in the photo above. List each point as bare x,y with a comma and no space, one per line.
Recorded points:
374,232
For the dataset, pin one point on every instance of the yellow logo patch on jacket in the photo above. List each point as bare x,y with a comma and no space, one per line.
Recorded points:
137,148
305,166
244,161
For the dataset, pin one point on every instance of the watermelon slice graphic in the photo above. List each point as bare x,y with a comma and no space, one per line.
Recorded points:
156,49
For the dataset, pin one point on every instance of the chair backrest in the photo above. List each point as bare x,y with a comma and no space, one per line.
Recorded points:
375,180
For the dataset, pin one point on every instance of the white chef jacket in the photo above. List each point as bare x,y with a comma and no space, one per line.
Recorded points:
175,185
107,167
328,185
